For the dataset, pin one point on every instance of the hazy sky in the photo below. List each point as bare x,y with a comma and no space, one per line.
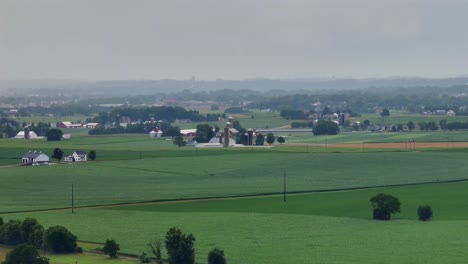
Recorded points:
232,39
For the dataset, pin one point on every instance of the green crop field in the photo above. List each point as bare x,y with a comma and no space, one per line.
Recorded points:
401,118
374,137
314,225
332,227
218,173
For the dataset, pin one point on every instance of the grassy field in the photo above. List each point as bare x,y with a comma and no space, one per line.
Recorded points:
318,227
313,228
402,118
85,258
224,173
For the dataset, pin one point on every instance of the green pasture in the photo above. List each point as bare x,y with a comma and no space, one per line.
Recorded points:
136,146
375,137
402,118
311,228
446,200
259,120
222,173
87,258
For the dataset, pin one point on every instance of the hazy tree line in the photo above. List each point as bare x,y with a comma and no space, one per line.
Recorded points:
366,100
414,100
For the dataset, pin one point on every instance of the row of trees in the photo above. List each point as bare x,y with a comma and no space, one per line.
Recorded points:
30,235
166,113
384,205
180,248
139,128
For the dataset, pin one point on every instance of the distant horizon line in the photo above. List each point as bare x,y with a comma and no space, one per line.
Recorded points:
324,78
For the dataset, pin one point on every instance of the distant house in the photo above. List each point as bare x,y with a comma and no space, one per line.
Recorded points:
77,156
451,113
67,124
440,112
32,135
91,125
155,133
188,132
35,158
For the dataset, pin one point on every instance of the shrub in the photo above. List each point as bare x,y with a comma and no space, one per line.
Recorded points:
144,258
424,212
280,140
58,239
216,256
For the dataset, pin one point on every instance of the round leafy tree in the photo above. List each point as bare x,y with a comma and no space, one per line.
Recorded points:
57,154
270,139
424,212
58,239
92,155
111,248
25,253
384,206
260,140
180,248
54,134
280,140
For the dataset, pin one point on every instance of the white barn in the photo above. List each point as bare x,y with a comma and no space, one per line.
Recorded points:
35,158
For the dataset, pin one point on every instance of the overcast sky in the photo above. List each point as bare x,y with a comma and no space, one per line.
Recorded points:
232,39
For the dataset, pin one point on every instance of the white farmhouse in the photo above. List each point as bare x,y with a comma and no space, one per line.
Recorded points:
77,156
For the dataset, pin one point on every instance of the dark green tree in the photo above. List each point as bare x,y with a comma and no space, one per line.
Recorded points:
385,112
111,248
216,256
325,127
32,232
432,126
270,139
179,141
92,155
410,125
384,206
204,133
180,247
171,132
260,140
58,239
57,154
424,212
24,254
1,221
54,134
10,233
281,139
443,124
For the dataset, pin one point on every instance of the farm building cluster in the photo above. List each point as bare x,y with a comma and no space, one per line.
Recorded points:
34,158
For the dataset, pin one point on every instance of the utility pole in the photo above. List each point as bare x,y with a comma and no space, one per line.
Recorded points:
72,200
284,187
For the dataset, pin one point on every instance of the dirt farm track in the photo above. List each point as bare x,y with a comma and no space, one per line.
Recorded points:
401,145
